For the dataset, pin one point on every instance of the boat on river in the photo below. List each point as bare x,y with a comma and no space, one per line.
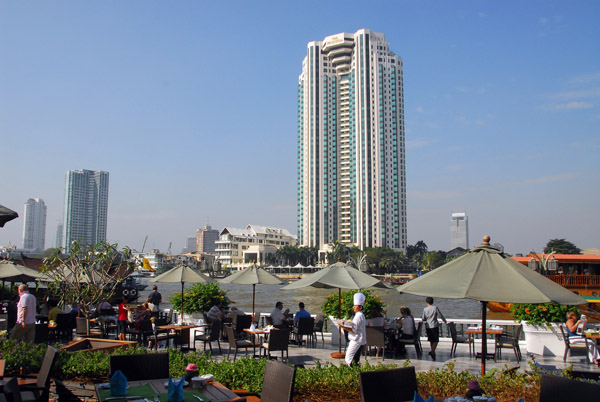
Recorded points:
580,273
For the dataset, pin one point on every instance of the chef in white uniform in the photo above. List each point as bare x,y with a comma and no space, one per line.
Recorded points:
357,331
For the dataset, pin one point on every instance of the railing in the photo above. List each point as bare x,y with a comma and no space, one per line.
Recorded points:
575,280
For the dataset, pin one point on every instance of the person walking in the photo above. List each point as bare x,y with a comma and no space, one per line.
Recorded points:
357,331
155,296
25,328
432,326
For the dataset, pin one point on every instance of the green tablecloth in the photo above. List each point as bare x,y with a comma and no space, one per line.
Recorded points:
146,391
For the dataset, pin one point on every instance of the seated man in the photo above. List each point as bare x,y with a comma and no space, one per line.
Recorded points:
279,317
216,312
301,313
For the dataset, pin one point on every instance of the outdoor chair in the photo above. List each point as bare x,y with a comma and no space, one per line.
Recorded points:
560,389
38,389
239,323
305,326
237,343
140,334
41,333
83,329
2,367
149,366
569,345
278,341
269,320
319,322
456,339
159,335
64,326
278,384
388,385
416,340
376,339
509,341
210,335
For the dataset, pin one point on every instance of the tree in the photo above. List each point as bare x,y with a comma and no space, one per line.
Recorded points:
88,274
561,246
434,259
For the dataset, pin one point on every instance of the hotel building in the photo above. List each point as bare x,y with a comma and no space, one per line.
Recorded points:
351,167
34,224
459,230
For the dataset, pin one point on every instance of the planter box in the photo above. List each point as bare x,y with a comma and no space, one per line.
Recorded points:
95,344
543,340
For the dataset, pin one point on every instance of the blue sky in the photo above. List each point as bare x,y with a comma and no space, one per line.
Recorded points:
191,107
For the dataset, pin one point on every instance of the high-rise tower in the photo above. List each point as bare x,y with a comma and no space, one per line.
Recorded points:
34,224
351,168
459,230
86,207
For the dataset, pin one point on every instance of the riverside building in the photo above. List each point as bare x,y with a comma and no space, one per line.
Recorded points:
86,207
351,167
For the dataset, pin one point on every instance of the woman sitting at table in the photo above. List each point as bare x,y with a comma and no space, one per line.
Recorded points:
574,338
408,327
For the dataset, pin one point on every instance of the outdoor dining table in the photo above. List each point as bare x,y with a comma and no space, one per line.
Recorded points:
156,391
489,331
182,332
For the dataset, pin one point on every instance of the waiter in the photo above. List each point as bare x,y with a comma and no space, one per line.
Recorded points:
357,331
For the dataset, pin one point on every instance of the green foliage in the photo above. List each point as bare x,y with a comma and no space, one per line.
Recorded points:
541,314
372,303
21,356
561,246
200,297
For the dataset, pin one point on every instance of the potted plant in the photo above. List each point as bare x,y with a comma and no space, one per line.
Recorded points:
198,299
540,325
331,308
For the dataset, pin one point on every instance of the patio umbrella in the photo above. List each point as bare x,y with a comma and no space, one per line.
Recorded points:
339,275
182,273
486,274
252,275
6,215
11,272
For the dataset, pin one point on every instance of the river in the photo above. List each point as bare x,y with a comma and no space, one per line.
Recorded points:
268,295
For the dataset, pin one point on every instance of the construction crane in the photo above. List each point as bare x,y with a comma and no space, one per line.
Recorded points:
144,246
169,251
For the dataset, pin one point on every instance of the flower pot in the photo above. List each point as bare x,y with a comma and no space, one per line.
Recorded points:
544,340
335,331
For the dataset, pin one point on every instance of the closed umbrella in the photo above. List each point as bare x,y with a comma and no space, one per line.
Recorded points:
486,274
6,214
252,275
182,273
339,275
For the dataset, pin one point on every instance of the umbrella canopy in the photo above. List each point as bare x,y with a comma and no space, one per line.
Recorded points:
182,273
6,214
11,272
339,275
487,274
252,275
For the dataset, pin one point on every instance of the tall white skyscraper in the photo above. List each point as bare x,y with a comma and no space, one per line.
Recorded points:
459,230
34,224
351,167
86,207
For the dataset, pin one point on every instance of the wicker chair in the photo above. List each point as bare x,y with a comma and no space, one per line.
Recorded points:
213,334
149,366
305,327
319,322
278,384
39,389
569,346
560,389
376,338
278,341
416,340
388,385
456,339
509,341
237,343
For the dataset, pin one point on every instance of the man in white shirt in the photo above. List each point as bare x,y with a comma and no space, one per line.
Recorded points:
279,317
216,312
25,328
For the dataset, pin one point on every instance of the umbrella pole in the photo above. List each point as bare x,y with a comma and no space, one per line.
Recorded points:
182,283
339,354
253,291
483,336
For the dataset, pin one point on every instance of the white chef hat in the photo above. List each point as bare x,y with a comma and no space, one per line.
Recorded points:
359,299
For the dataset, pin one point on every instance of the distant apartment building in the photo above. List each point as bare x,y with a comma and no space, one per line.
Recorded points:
459,231
155,258
34,224
86,207
351,166
206,240
240,247
59,236
190,246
